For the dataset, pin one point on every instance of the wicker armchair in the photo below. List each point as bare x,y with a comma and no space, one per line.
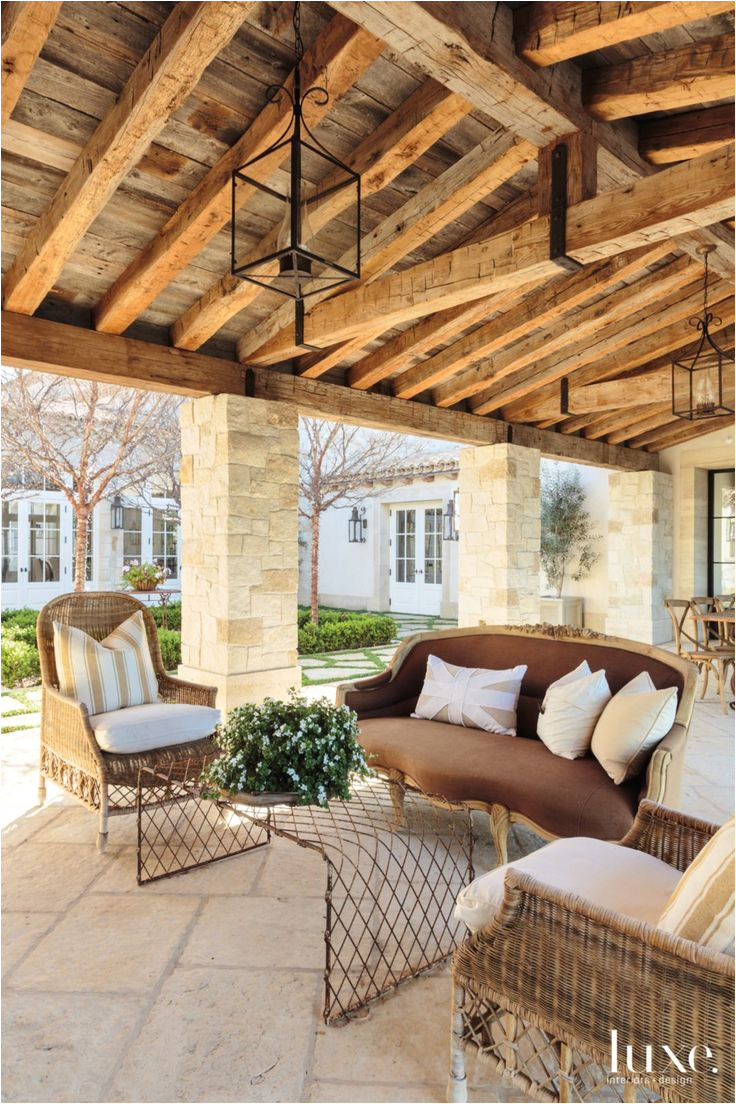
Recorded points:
539,989
70,754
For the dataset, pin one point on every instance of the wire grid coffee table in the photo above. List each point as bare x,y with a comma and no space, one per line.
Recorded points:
390,887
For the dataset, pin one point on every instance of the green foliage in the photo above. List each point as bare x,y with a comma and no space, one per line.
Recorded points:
23,616
142,576
19,661
173,618
170,641
292,746
568,534
26,633
336,635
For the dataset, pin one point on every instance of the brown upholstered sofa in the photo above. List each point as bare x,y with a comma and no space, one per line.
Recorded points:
516,779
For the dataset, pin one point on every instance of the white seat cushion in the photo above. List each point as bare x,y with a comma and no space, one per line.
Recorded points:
610,876
145,727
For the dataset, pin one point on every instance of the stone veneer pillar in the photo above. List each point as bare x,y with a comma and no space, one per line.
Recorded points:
499,524
639,555
240,568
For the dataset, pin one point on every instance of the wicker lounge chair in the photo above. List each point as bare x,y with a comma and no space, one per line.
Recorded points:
540,987
70,754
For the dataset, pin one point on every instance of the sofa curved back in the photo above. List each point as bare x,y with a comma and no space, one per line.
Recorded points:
548,654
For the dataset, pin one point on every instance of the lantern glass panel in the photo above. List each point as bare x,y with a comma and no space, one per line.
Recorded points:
703,387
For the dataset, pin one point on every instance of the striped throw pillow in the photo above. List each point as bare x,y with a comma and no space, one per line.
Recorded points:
702,906
108,674
470,696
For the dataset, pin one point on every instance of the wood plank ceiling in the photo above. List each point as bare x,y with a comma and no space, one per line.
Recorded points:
123,121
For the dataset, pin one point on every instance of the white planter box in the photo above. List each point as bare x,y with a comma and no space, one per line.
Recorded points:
562,611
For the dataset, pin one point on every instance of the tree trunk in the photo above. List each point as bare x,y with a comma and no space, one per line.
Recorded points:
80,547
314,576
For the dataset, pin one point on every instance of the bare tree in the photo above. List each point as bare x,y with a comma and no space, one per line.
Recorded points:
89,440
335,460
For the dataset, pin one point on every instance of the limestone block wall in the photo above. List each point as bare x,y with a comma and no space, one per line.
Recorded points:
239,476
639,555
499,535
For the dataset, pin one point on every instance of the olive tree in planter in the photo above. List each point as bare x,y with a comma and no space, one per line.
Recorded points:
568,543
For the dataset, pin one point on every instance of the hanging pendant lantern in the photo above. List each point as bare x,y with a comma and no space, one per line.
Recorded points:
300,187
699,389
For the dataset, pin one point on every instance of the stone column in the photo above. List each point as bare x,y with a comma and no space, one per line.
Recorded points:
499,535
240,573
639,555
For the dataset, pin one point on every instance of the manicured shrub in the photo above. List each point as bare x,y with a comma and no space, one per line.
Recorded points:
23,616
170,641
26,633
173,611
354,631
19,661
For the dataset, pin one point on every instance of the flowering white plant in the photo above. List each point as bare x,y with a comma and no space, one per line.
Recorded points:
295,746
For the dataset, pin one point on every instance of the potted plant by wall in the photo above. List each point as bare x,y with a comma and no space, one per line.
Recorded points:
142,576
295,751
568,544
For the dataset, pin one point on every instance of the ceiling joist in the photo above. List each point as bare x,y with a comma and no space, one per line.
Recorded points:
25,28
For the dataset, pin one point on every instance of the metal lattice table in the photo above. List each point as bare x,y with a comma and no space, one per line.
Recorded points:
391,883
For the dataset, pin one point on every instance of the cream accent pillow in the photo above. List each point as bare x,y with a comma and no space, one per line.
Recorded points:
631,726
109,674
702,906
570,710
470,696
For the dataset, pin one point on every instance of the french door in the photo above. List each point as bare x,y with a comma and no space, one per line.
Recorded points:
36,551
416,559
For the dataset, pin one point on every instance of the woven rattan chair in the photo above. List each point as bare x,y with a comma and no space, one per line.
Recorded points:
538,990
70,754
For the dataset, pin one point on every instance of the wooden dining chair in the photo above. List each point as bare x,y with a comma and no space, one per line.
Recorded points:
706,656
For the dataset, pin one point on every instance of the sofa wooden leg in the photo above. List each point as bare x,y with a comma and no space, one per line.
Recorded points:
457,1086
500,825
397,791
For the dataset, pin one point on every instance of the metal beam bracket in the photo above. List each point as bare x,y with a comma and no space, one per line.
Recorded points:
558,211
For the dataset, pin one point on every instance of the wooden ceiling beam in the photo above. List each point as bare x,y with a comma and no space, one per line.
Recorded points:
25,28
677,431
617,349
398,142
680,137
622,421
548,33
40,345
476,175
452,42
684,77
653,209
188,41
640,390
345,52
538,309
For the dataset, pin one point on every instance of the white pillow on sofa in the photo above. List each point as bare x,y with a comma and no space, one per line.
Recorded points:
631,726
570,710
470,696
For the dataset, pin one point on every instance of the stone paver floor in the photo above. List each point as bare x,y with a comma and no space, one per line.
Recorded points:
363,662
208,987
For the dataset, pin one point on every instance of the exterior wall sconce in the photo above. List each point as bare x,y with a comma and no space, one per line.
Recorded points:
117,520
357,525
450,519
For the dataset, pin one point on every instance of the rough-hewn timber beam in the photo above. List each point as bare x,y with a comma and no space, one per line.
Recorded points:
188,41
681,137
452,42
399,141
656,208
547,33
44,346
344,51
25,28
679,431
683,77
476,175
592,398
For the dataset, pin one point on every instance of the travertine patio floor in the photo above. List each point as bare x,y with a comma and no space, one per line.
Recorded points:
208,987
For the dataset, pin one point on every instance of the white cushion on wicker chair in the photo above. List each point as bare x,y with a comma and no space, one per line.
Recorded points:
145,727
610,876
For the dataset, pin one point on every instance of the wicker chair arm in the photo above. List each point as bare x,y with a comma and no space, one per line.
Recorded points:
188,693
578,971
674,837
65,729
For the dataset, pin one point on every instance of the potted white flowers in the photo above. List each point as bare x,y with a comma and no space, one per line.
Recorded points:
287,751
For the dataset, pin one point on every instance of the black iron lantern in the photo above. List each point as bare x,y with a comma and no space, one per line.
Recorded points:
302,187
357,525
449,520
697,382
117,517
